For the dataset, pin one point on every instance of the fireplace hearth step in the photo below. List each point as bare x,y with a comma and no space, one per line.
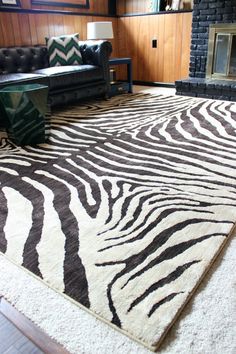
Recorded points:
207,88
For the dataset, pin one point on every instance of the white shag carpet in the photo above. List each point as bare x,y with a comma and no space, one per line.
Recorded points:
206,326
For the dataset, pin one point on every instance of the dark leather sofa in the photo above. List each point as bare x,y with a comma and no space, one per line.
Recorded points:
24,65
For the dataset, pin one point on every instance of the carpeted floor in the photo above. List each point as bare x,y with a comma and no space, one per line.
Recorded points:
147,185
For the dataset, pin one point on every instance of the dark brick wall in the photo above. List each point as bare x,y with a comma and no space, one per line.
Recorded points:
206,12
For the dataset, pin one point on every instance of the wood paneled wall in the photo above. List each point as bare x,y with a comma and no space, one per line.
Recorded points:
26,29
170,60
31,29
133,6
133,38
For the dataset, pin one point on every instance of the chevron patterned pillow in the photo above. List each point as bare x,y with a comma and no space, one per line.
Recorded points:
64,50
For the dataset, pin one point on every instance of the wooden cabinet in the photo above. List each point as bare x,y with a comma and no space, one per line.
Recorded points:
170,60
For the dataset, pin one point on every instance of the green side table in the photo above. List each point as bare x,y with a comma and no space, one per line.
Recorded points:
23,108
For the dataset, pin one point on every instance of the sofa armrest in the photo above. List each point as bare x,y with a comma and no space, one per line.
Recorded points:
97,52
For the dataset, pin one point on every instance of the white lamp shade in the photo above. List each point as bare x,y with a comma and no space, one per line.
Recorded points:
99,30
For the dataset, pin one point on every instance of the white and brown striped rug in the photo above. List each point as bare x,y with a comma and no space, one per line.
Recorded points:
126,207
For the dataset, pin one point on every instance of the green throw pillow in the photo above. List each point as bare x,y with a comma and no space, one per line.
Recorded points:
64,50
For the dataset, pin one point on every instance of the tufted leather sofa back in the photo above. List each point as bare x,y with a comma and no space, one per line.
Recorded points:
23,59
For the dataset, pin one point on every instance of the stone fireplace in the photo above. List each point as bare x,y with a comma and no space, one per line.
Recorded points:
212,70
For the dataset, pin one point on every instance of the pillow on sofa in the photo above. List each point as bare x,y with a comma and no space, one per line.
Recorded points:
64,50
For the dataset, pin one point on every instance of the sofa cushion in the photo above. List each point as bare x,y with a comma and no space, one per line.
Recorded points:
64,50
73,75
24,78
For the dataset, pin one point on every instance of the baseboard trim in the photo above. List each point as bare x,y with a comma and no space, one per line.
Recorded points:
154,83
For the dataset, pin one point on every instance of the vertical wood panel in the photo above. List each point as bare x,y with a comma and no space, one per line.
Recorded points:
186,40
17,29
169,46
33,29
178,44
115,52
143,46
1,32
42,28
58,24
170,60
81,26
25,29
160,49
7,29
68,25
51,27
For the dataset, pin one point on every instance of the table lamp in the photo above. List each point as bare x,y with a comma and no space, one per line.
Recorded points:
99,30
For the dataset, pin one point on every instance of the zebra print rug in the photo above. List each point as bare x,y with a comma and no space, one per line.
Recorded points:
126,206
